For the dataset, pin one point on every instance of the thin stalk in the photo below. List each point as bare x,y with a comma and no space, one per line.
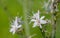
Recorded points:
42,32
25,11
53,26
54,19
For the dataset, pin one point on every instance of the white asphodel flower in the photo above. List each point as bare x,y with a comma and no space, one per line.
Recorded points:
37,20
15,25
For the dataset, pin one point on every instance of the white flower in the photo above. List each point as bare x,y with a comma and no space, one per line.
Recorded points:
38,21
15,25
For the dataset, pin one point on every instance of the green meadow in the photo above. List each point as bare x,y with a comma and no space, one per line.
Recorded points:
9,9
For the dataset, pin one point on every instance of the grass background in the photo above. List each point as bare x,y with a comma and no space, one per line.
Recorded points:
9,9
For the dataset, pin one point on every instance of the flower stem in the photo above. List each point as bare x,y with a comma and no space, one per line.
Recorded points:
54,26
42,32
54,19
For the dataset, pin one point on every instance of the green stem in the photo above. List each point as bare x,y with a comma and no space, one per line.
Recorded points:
25,11
43,33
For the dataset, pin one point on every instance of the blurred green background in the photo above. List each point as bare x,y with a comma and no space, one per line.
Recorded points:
10,8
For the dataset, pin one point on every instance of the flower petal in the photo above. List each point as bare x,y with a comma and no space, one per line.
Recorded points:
35,24
33,20
40,26
13,32
19,26
42,17
43,21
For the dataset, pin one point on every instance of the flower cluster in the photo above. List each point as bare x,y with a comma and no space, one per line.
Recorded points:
38,21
